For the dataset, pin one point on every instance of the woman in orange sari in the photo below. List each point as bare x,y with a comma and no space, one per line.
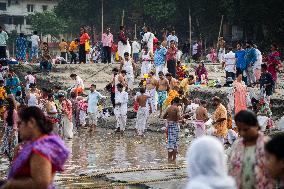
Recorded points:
240,93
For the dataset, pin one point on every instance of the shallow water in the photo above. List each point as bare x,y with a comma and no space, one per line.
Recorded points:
103,151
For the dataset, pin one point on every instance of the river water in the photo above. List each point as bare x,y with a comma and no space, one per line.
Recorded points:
103,151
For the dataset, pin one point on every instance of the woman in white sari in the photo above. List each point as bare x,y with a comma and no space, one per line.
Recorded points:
207,165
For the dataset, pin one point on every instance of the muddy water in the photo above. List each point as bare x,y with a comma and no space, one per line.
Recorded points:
103,151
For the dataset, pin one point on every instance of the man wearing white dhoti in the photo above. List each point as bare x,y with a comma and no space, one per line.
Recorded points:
151,85
148,38
146,58
128,65
120,110
143,112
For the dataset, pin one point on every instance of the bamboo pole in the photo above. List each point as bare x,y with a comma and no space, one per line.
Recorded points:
135,31
190,40
122,18
220,28
102,18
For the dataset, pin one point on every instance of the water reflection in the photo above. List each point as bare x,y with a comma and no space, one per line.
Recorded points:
104,151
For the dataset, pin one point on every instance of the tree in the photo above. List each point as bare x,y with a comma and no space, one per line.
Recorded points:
48,23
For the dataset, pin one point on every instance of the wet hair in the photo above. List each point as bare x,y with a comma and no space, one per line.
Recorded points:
126,54
274,45
10,111
276,145
264,66
21,35
93,85
203,102
44,124
247,117
63,40
49,96
19,93
191,77
216,99
169,75
35,32
148,28
73,75
176,100
142,90
119,85
123,71
115,70
161,73
151,72
73,95
32,85
238,73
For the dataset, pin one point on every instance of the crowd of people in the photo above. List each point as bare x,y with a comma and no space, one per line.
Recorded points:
36,120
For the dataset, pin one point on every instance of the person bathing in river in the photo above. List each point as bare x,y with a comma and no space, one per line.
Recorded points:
143,112
173,116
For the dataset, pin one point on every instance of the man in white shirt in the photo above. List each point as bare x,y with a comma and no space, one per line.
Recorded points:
229,64
35,44
257,64
120,110
172,37
107,40
30,79
93,99
79,84
136,47
148,39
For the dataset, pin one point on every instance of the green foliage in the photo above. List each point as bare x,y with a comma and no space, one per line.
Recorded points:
48,23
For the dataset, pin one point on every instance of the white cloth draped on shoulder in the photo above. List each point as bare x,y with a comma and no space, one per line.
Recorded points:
207,166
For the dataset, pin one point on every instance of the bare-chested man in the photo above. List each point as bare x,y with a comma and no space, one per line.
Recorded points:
162,88
173,116
172,81
151,85
143,112
201,118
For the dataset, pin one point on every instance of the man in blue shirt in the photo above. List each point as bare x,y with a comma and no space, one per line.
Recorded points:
240,60
250,58
160,57
93,99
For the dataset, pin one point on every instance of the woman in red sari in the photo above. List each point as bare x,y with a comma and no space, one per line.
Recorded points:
273,61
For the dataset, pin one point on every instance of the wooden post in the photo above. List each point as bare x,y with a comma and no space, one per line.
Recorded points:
135,32
190,40
102,17
122,18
